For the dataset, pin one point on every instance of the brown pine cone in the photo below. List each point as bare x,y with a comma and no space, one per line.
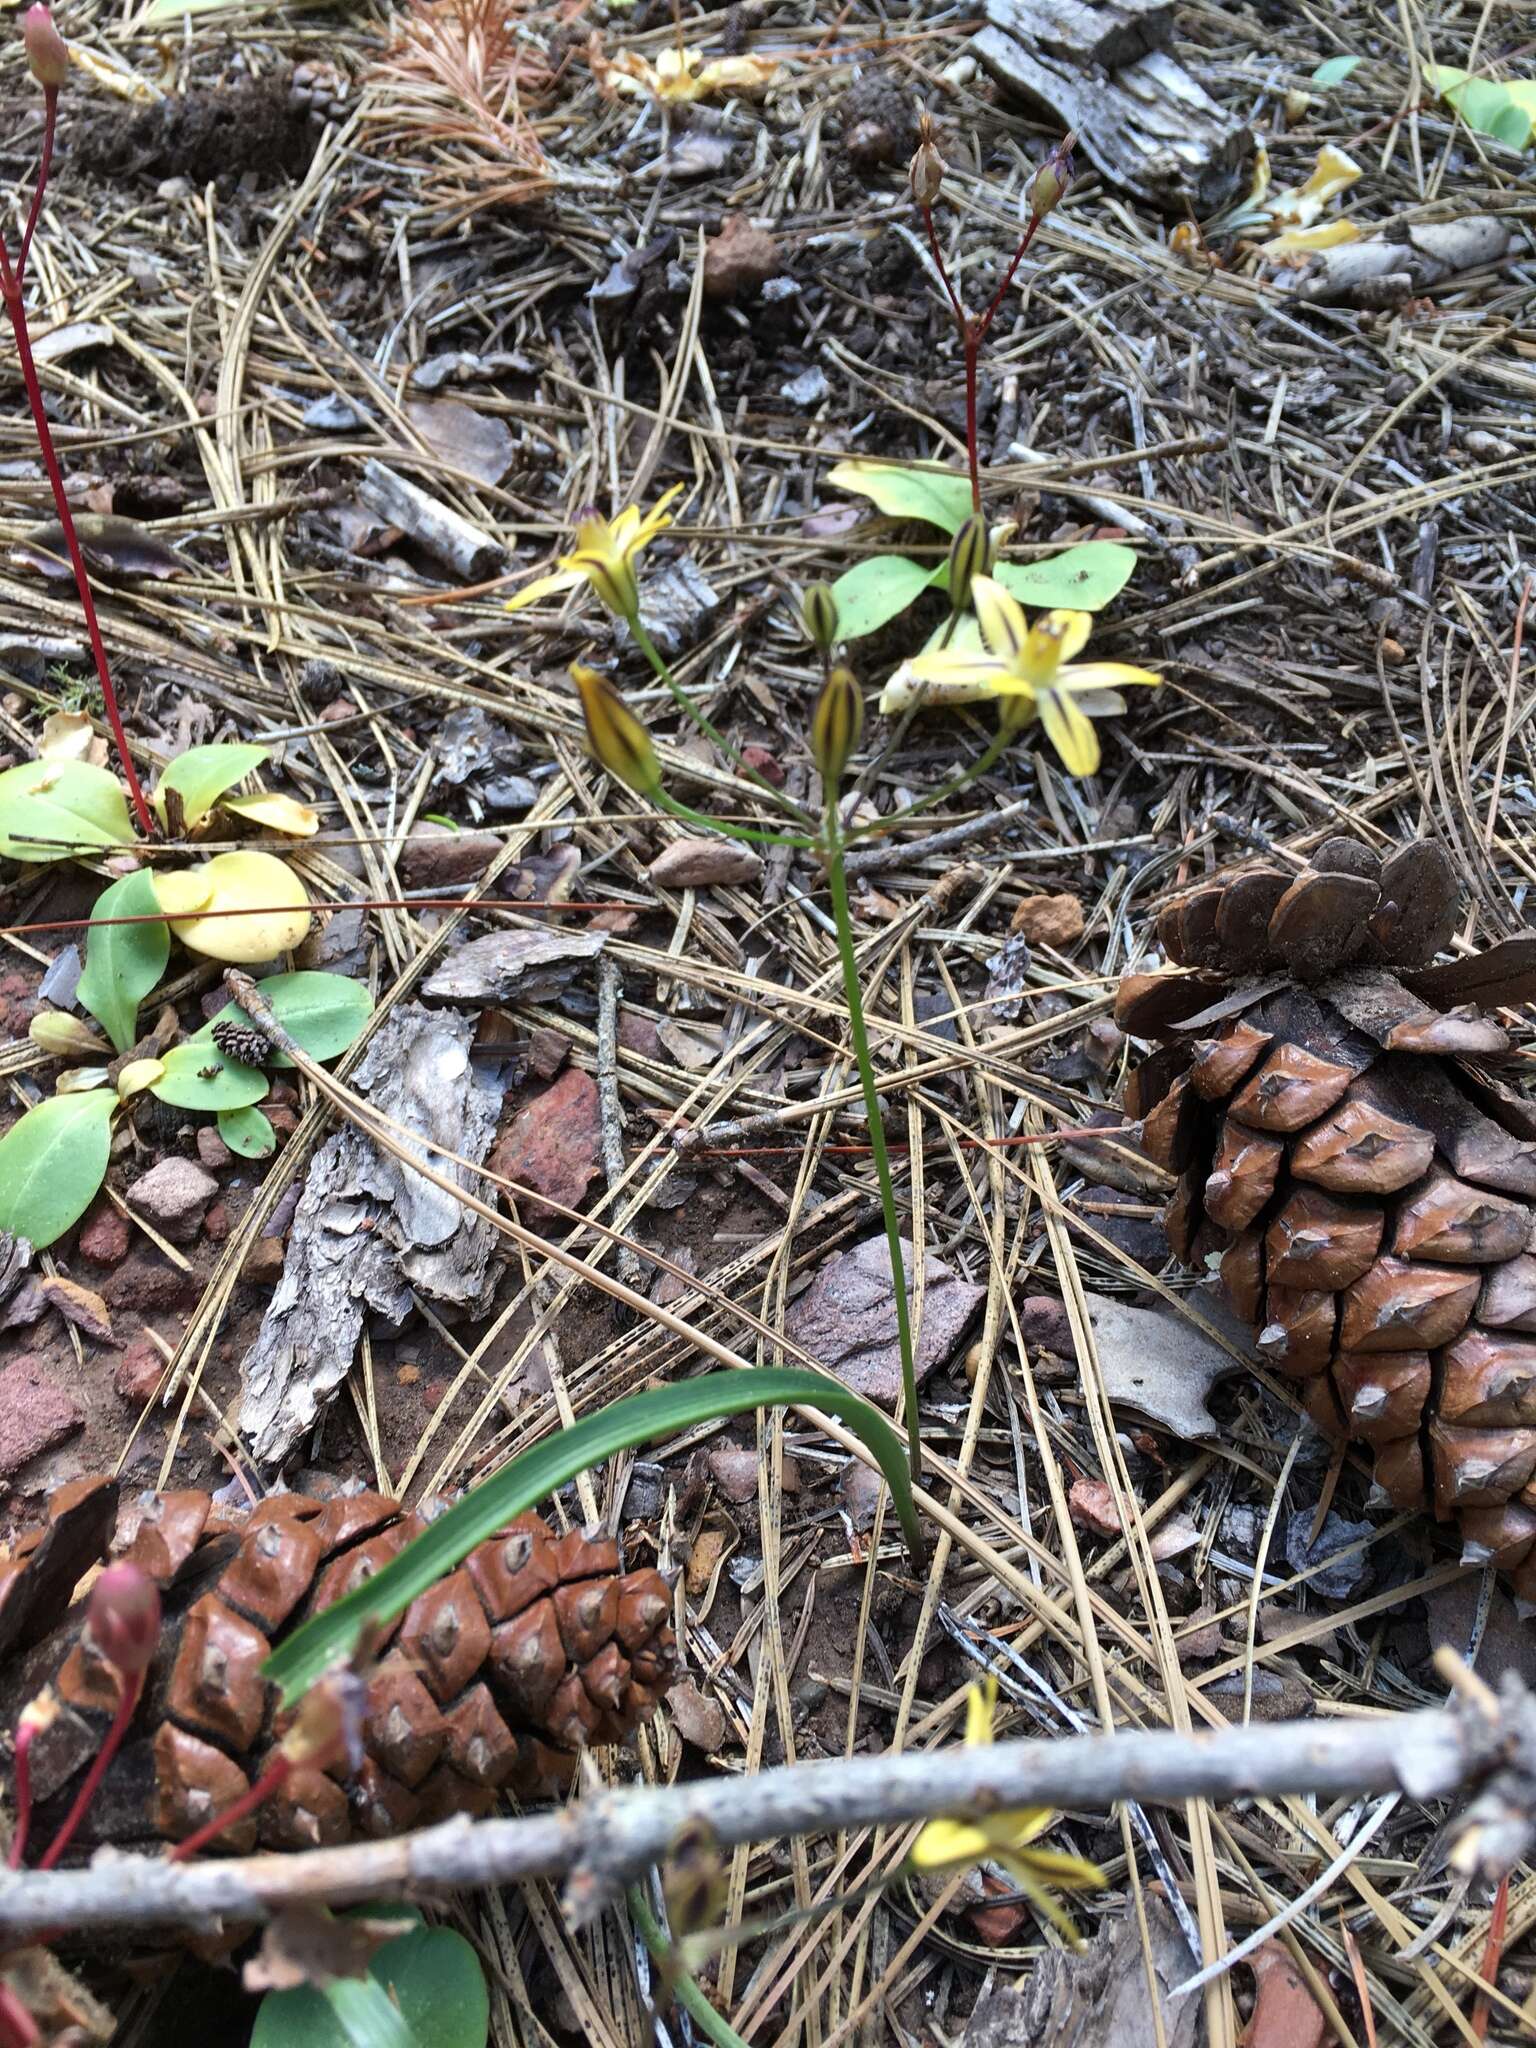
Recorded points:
242,1042
536,1646
1368,1189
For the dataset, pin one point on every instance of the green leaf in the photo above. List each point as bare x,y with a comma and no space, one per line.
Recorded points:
875,591
1511,125
124,961
53,1160
198,1076
1334,70
201,775
939,497
247,1132
1486,106
48,809
526,1479
425,1990
324,1012
1081,579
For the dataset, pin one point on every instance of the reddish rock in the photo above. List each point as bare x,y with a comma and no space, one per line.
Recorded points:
212,1152
551,1146
1045,1325
435,1392
704,864
150,1286
764,763
548,1052
263,1262
637,1034
35,1414
739,260
138,1372
104,1236
1049,920
217,1224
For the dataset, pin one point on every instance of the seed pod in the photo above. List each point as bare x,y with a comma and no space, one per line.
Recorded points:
615,735
124,1617
1051,183
47,51
836,724
926,173
970,555
818,615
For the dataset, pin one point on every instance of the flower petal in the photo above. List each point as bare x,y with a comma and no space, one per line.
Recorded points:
950,665
1001,618
1103,675
545,586
1074,628
1070,733
980,1706
943,1844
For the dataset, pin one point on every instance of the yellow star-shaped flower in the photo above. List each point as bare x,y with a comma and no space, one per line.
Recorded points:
604,556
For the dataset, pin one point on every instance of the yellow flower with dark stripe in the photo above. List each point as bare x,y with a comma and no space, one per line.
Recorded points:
836,724
617,738
1033,665
1007,1838
604,556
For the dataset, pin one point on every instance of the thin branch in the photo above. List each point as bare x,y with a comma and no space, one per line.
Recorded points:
601,1842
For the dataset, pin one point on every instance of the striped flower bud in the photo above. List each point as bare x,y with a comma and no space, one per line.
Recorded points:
970,555
926,172
818,615
615,735
836,724
1050,184
47,51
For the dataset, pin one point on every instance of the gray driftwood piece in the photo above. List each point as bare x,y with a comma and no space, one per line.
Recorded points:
432,525
1103,67
370,1234
1386,270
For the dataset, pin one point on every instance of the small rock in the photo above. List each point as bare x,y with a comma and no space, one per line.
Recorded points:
646,1491
869,144
764,763
174,1197
696,1717
263,1263
548,1052
808,389
734,1471
436,857
1339,1581
150,1286
1049,920
552,1145
338,944
35,1414
217,1224
847,1318
704,864
104,1236
638,1034
212,1151
137,1373
1045,1325
739,260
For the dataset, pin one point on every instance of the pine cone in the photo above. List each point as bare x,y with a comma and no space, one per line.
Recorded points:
536,1646
242,1042
1366,1187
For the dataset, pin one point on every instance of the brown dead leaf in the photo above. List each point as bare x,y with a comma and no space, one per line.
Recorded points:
704,864
308,1945
697,1717
79,1305
70,736
704,1561
118,549
476,444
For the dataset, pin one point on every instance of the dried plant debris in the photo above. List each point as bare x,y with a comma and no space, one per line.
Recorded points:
371,1235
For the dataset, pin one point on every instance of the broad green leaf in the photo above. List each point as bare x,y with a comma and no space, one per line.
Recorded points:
198,1076
49,809
201,775
875,591
324,1012
425,1990
123,962
939,497
1485,103
1084,578
1511,125
52,1162
1334,70
247,1132
528,1478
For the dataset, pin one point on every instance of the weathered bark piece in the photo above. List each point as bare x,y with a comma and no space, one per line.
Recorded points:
1103,68
445,534
371,1234
1383,270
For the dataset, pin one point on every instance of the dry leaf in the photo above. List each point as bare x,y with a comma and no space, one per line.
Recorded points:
70,736
276,813
117,549
1285,2014
308,1945
79,1305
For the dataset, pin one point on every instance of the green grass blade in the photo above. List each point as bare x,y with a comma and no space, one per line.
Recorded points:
530,1477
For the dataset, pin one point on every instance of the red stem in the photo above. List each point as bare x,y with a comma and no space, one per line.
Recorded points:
23,1796
128,1690
10,290
18,2029
1018,257
50,121
973,334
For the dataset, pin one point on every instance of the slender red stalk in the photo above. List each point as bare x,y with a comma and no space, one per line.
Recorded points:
271,1780
23,1796
50,122
128,1690
18,2029
1493,1955
10,290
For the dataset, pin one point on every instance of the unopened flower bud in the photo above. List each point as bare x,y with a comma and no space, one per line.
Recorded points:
617,738
47,51
970,555
124,1617
836,724
928,167
818,615
1050,184
66,1037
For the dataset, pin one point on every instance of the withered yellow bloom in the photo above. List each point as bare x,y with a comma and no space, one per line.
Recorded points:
617,738
1033,665
1007,1838
604,556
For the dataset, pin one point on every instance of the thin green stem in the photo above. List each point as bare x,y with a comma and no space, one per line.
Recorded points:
684,1989
749,832
858,1030
705,724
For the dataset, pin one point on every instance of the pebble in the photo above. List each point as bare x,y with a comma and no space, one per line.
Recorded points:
1049,920
137,1373
174,1197
35,1414
1045,1324
104,1236
212,1152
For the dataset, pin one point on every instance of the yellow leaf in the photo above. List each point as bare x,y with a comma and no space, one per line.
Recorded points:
276,813
114,75
182,891
137,1076
256,908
